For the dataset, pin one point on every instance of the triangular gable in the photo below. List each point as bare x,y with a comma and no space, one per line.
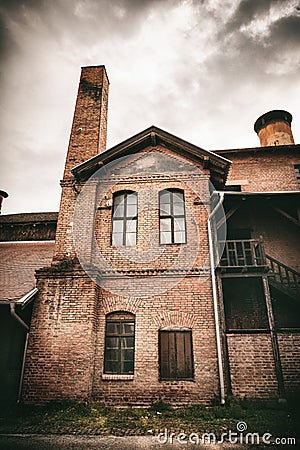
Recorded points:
153,136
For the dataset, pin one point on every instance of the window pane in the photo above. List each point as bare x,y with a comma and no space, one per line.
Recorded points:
164,197
118,199
112,355
117,239
126,342
131,226
119,210
128,367
118,226
112,328
165,237
179,237
132,199
130,239
112,342
178,209
128,355
128,328
177,197
131,211
179,224
165,224
111,366
165,209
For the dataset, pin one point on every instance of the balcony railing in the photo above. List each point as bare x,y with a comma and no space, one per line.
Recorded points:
243,254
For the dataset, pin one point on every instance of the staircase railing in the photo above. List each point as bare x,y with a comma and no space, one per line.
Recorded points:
284,275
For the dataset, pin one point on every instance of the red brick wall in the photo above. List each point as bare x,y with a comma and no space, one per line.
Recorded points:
252,366
187,305
264,170
289,348
61,348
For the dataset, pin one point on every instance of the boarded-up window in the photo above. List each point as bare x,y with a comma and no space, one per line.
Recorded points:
176,355
119,344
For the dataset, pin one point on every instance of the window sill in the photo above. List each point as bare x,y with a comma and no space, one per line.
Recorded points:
176,380
110,376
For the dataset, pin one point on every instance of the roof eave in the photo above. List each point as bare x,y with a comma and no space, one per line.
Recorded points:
22,301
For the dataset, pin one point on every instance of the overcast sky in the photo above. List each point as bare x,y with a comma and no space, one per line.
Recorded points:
202,70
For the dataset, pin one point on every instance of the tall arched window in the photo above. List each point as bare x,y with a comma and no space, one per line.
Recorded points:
124,218
172,217
119,343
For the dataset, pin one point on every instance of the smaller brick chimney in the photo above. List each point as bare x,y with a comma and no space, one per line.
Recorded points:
3,195
274,128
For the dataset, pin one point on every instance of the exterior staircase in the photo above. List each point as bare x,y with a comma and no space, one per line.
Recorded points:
283,278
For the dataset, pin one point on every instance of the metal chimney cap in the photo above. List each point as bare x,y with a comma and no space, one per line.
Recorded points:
3,194
277,115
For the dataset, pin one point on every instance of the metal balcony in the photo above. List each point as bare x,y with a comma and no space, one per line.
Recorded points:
243,254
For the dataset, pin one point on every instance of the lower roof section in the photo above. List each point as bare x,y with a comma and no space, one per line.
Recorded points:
18,263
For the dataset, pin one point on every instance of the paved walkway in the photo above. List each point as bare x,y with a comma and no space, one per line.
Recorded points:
66,442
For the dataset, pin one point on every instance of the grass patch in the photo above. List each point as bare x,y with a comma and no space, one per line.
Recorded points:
94,418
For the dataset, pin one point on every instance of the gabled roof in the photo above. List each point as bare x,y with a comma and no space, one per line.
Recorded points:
153,136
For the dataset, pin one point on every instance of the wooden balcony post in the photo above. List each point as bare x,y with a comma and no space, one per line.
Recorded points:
274,341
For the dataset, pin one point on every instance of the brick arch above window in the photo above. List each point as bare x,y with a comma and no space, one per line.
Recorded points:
171,319
120,315
112,304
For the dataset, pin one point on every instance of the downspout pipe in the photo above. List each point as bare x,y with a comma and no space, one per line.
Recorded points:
215,299
24,325
18,318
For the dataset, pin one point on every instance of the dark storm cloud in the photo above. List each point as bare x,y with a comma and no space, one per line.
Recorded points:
247,53
285,32
80,18
247,10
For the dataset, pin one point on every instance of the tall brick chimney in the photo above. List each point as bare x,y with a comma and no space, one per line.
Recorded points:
87,139
274,128
89,128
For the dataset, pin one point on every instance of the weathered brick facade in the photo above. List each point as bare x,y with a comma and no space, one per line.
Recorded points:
164,287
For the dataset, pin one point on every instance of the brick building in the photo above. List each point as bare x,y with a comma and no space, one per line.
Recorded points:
175,270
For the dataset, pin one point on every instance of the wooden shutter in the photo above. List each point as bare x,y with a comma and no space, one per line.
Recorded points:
176,361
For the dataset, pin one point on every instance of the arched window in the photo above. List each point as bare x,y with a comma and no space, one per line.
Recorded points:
124,218
172,227
119,343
